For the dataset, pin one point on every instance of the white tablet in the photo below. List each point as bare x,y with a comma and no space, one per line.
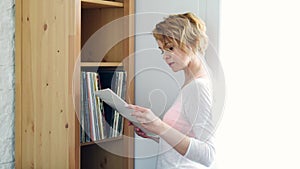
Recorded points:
117,103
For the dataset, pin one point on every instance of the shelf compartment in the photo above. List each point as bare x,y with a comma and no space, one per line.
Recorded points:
101,4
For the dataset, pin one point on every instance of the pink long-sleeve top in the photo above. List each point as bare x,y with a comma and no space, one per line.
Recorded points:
191,114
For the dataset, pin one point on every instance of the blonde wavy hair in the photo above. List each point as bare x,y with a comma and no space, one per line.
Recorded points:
184,31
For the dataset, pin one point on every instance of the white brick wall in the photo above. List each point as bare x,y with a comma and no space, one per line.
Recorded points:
7,28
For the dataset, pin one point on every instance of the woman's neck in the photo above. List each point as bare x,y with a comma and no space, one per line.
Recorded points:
194,70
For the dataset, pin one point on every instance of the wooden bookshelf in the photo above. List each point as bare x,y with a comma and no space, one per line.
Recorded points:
47,128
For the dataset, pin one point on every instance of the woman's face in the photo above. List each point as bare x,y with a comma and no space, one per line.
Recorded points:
174,57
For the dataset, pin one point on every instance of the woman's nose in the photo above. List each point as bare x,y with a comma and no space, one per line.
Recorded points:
166,55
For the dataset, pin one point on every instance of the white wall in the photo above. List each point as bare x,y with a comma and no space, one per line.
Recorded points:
7,84
156,84
259,48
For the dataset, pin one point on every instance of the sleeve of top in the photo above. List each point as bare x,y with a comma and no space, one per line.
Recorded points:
197,103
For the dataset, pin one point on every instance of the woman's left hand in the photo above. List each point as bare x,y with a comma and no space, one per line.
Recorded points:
147,118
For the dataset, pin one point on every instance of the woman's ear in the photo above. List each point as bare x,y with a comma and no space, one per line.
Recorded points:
190,51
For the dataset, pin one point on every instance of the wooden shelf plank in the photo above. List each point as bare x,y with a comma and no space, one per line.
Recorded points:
103,141
101,4
101,64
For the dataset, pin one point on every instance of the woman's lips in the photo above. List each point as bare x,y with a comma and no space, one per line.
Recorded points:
171,63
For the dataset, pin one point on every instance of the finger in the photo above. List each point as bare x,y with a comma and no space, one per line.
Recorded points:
128,105
136,114
141,134
144,135
135,107
139,108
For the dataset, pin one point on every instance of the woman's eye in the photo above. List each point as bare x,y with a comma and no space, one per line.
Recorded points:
171,48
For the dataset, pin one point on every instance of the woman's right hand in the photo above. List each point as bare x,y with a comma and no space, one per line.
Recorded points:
141,133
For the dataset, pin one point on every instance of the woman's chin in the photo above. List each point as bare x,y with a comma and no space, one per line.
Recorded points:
174,69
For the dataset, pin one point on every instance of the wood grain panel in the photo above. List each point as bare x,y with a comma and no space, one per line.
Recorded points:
27,116
128,51
48,120
74,27
18,84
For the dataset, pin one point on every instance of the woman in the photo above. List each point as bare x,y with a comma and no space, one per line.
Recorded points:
186,130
